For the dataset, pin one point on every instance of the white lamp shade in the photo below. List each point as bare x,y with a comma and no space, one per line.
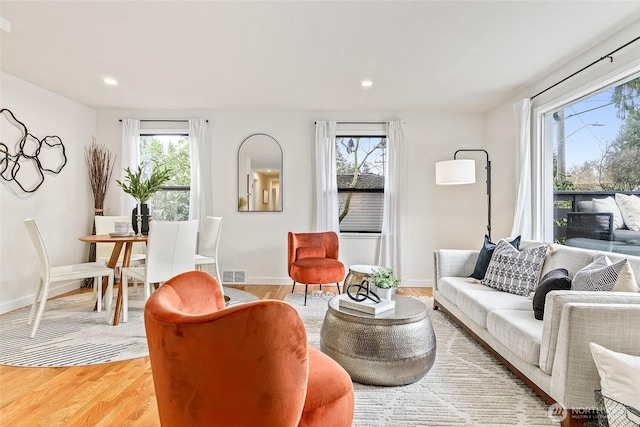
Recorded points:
454,172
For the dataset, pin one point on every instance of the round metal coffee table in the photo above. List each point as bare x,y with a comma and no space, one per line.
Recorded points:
395,347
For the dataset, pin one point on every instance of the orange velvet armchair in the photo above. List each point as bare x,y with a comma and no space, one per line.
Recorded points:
313,260
246,365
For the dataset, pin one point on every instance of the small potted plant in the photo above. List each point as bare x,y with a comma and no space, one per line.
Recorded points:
142,189
385,282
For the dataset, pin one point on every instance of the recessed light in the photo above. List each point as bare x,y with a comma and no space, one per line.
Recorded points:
366,83
110,82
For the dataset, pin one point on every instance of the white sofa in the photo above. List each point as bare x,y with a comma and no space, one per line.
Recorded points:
551,355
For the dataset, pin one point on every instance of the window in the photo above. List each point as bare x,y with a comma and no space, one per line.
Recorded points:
595,144
360,172
171,203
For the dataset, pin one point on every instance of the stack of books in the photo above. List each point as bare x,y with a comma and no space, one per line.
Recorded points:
367,306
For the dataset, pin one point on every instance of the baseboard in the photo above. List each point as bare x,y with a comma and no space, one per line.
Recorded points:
8,306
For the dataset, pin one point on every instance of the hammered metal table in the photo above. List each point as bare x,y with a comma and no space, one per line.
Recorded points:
396,347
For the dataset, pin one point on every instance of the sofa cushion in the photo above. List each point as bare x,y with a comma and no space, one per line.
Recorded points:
477,304
450,286
630,208
517,330
555,280
572,259
609,205
484,257
515,271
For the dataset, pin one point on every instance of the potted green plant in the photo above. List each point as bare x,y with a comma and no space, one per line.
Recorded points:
385,282
142,189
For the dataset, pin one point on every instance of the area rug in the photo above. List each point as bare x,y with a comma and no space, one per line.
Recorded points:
72,334
465,386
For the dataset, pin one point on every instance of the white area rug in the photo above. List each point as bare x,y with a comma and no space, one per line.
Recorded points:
72,334
466,386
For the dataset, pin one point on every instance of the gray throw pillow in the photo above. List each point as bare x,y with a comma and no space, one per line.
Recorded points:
514,271
600,275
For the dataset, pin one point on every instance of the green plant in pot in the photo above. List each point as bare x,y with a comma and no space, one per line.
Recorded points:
385,282
142,189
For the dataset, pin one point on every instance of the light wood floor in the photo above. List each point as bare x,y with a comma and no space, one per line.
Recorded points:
112,394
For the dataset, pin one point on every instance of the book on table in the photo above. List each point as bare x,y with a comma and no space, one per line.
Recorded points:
367,306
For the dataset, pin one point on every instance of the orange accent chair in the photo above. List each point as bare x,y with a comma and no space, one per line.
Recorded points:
313,260
245,365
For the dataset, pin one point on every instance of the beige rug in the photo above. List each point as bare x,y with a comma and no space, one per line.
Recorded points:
466,386
72,334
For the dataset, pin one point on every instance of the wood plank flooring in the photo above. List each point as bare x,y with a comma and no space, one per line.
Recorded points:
112,394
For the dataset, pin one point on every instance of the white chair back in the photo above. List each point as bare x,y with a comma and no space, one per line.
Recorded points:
210,236
170,249
41,250
106,225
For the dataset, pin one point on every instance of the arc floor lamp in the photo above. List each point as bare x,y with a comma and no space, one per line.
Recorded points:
463,171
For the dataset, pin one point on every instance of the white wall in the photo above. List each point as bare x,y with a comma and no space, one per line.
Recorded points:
62,206
257,242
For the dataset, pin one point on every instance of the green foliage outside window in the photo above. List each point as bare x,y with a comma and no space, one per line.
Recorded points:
171,203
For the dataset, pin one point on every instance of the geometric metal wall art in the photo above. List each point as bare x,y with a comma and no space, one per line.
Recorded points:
31,157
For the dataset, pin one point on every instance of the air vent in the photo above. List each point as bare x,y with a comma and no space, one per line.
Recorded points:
239,276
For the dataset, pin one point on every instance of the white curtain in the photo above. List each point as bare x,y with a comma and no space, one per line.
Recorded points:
130,158
523,220
390,250
201,194
325,206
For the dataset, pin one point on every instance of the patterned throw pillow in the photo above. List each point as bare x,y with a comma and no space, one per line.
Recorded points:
514,271
602,275
484,257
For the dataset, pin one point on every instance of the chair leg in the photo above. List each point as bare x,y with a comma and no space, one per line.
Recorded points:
124,284
109,297
338,285
293,287
35,302
97,284
305,293
43,302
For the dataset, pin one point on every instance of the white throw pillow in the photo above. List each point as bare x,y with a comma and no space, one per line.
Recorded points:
630,209
608,204
618,375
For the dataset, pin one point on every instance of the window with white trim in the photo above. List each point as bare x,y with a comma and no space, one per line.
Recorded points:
172,150
360,166
592,148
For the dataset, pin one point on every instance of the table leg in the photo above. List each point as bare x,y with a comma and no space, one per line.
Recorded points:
126,259
113,261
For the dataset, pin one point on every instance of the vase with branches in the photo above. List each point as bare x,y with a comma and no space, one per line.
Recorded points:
100,162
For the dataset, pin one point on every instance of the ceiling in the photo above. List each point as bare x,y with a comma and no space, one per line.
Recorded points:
466,56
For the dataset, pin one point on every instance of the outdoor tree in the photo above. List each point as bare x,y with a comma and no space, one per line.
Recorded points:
357,155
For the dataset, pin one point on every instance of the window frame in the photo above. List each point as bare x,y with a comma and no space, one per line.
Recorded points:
363,131
542,147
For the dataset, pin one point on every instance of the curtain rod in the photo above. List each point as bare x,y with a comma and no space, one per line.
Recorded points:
174,121
358,123
607,56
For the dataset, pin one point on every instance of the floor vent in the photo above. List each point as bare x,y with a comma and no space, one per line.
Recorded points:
239,276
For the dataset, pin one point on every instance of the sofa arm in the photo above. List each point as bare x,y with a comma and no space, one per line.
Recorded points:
613,326
454,263
553,311
590,225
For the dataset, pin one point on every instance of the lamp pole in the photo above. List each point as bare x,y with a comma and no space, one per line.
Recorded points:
488,168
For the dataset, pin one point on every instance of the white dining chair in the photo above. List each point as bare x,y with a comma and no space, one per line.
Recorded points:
208,244
170,251
63,273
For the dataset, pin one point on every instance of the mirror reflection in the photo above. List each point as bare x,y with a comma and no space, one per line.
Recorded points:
259,172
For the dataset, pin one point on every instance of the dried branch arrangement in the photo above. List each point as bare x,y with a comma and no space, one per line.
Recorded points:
100,162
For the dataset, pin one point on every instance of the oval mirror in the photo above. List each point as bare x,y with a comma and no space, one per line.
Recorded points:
259,173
